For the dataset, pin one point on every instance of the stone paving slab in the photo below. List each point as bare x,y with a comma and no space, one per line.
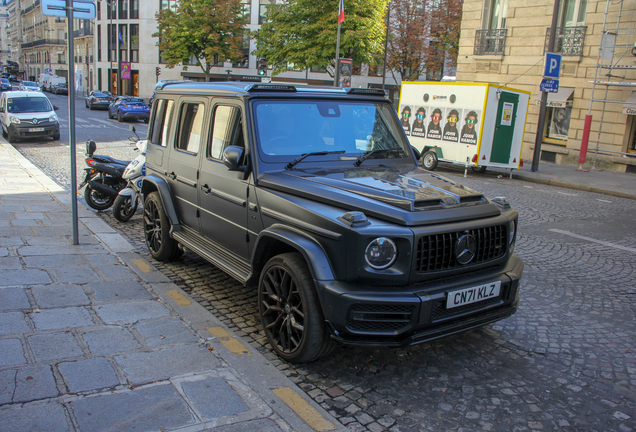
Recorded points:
111,340
13,299
53,319
59,295
34,383
54,346
130,312
145,367
23,277
150,408
90,374
49,417
12,322
161,332
11,353
107,292
213,397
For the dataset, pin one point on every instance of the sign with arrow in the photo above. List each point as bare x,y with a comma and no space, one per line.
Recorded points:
81,9
549,85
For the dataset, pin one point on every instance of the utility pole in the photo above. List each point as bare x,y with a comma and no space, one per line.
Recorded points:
544,95
386,41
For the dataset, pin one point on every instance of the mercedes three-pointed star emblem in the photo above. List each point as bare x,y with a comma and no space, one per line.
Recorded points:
465,249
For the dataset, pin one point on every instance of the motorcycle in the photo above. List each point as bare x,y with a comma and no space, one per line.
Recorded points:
103,179
128,199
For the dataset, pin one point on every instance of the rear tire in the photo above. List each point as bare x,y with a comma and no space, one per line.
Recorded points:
90,106
162,247
124,208
478,169
120,119
429,160
56,136
290,310
97,200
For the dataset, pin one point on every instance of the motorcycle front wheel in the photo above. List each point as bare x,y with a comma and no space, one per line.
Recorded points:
97,200
125,207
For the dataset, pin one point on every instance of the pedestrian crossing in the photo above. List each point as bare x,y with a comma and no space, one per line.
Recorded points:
81,123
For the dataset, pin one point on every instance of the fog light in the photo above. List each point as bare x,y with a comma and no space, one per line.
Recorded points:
380,253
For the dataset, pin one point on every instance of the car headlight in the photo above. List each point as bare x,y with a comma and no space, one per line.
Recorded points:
512,236
14,120
380,253
53,118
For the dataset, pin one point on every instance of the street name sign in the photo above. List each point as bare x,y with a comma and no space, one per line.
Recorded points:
57,8
549,85
552,66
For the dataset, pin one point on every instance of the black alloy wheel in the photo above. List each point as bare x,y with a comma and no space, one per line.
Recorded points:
97,200
124,208
290,310
162,247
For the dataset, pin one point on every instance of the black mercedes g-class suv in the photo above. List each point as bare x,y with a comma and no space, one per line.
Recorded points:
315,196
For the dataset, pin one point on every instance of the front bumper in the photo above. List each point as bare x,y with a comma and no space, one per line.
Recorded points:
383,316
28,130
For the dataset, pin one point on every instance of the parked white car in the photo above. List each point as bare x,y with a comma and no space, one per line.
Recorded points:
29,86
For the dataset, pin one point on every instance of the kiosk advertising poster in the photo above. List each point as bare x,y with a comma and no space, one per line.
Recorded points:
456,121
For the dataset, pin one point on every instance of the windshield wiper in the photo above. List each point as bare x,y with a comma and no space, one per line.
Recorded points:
305,155
368,154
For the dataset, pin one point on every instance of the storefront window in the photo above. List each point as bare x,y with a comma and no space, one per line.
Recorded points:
559,123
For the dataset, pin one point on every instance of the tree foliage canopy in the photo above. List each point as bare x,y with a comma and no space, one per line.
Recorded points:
209,30
409,38
304,32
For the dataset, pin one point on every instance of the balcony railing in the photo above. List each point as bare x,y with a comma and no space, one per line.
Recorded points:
86,31
30,8
44,42
569,40
490,42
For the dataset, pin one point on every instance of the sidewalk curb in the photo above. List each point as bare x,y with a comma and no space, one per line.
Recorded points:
254,369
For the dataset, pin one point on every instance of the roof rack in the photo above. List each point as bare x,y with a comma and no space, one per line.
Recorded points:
270,87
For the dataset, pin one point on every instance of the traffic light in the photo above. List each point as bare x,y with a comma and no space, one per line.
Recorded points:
158,71
261,66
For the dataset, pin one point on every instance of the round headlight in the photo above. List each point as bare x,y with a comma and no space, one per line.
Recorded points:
380,253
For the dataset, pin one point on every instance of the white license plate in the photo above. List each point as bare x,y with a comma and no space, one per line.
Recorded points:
36,129
473,295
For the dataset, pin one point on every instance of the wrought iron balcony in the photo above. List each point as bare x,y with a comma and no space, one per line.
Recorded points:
569,40
30,8
44,42
490,42
86,31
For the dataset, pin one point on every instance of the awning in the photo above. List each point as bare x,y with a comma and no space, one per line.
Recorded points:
558,99
630,106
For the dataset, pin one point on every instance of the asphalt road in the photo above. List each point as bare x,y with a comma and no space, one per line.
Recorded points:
566,361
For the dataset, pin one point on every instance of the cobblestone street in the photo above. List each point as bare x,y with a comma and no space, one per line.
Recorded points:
565,361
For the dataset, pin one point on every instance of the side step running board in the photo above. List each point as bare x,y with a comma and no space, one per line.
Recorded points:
236,267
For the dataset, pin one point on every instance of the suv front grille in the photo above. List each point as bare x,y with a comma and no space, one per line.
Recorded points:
437,252
379,318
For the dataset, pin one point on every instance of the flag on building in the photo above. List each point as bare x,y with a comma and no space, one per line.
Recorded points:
341,12
121,39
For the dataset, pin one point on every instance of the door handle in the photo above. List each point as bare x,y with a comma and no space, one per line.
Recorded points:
172,175
206,190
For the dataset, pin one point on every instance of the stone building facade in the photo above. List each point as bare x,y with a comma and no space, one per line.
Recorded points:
503,42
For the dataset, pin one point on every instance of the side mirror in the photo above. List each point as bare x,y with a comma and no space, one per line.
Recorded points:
418,154
55,107
232,157
90,148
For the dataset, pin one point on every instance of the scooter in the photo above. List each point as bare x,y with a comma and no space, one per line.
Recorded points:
103,179
128,199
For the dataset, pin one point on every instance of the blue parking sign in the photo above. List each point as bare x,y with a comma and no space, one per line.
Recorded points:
552,66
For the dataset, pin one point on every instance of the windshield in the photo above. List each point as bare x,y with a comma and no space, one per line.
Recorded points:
288,128
29,84
4,80
98,94
28,105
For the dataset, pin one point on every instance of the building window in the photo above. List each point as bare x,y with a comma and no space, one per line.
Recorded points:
495,14
123,9
169,4
262,11
111,10
247,9
245,51
134,9
99,10
573,13
123,47
112,43
559,123
134,43
99,42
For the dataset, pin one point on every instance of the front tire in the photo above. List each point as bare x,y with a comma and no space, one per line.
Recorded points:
97,200
429,160
478,169
120,119
90,106
290,310
124,208
162,247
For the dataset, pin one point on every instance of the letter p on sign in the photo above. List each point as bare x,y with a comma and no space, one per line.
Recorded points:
552,66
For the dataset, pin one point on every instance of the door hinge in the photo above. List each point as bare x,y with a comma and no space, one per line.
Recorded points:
247,237
247,192
198,213
197,174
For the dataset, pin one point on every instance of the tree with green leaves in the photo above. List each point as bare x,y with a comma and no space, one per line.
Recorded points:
207,30
304,32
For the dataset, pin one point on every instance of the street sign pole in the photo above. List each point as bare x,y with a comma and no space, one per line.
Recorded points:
84,9
71,117
544,95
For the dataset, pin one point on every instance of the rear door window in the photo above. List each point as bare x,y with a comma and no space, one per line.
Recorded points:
190,127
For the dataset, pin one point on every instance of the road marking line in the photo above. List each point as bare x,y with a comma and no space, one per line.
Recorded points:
303,409
179,298
232,344
81,120
601,242
568,194
529,187
143,265
108,122
603,200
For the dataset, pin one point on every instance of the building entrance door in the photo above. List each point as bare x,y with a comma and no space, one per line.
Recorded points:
504,127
